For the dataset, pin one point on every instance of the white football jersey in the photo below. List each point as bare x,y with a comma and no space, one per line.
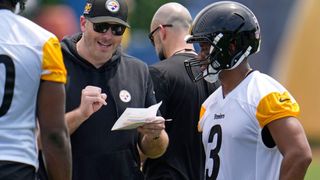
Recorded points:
28,54
231,129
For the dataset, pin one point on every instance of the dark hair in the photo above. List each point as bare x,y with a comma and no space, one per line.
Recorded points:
11,4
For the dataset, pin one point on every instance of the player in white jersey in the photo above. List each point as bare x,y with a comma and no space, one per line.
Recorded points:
249,125
32,77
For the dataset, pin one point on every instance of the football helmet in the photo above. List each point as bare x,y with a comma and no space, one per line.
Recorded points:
233,33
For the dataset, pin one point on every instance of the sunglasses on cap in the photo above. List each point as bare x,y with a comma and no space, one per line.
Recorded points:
116,29
155,30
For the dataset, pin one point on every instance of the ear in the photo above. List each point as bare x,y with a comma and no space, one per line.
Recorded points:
163,33
83,23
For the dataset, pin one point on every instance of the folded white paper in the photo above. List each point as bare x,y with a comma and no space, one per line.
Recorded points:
134,117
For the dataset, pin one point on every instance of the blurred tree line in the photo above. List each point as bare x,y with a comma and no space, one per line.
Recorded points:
140,11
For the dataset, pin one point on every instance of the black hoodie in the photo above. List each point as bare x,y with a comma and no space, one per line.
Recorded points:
98,152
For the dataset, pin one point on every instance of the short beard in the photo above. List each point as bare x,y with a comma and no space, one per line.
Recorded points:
161,55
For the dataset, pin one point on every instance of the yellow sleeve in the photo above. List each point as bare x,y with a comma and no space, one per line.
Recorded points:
53,68
275,106
202,111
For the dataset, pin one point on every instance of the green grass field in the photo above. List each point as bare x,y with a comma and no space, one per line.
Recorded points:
313,172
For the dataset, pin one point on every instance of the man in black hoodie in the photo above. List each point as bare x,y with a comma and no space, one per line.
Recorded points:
102,83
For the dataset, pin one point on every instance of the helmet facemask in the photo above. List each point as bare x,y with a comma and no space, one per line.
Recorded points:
212,67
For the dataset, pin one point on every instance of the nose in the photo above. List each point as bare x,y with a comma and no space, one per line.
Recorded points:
201,57
203,67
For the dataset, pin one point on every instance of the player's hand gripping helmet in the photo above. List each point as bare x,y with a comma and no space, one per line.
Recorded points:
233,32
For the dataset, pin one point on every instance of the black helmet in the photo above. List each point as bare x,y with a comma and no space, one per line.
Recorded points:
231,29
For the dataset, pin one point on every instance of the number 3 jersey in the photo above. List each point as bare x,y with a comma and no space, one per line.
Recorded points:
28,54
232,129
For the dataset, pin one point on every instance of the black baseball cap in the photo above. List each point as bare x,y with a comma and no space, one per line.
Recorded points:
98,11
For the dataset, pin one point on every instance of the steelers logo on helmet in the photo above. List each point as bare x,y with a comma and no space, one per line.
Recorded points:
112,6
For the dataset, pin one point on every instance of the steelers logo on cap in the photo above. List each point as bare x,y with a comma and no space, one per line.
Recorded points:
113,6
125,96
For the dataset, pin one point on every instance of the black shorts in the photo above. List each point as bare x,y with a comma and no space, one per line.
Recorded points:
16,171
